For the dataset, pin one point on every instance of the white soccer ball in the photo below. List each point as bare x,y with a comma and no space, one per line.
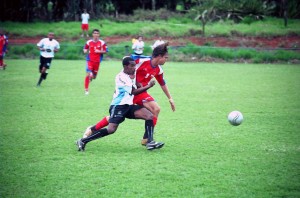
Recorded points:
235,118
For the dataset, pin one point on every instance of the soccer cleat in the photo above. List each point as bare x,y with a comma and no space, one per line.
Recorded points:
154,145
86,92
80,144
144,142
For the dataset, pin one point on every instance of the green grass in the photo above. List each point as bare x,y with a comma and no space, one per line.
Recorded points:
172,27
204,155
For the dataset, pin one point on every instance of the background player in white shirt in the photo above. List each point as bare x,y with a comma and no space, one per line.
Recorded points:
138,46
47,46
157,43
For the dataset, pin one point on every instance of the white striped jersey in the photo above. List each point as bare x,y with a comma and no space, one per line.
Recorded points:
123,90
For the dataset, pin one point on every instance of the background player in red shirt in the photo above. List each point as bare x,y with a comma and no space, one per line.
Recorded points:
95,49
147,69
2,44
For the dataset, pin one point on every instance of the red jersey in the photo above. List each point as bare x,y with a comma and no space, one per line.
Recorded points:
145,72
92,46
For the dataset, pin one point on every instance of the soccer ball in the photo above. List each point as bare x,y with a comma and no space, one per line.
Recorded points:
235,118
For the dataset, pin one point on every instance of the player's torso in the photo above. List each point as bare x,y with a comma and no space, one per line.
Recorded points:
92,46
123,90
145,72
47,44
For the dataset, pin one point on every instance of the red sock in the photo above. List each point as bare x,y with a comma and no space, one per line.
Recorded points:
102,123
87,82
1,62
154,120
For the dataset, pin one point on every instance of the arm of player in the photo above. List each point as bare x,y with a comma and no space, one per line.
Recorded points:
142,89
41,48
166,91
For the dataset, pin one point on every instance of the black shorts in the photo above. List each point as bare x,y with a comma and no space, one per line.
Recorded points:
118,113
45,62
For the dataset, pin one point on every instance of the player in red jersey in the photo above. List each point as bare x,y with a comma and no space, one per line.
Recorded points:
95,49
147,69
2,45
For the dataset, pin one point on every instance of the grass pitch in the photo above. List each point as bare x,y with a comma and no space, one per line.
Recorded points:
204,155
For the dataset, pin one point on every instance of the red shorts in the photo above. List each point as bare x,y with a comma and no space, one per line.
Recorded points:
85,26
93,67
141,98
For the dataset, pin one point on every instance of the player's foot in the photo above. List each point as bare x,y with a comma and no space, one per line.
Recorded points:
87,35
86,92
154,145
87,132
144,142
80,145
81,35
4,66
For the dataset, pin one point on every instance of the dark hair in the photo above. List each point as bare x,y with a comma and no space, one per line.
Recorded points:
126,60
95,30
160,50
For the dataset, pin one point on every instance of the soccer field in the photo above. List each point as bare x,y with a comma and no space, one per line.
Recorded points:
204,155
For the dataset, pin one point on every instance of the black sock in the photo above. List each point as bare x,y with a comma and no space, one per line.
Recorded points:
149,129
145,135
99,134
40,81
44,75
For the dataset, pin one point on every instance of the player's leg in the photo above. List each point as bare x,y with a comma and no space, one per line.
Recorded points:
114,122
146,100
44,66
92,129
145,114
82,29
1,59
88,77
87,30
42,70
154,108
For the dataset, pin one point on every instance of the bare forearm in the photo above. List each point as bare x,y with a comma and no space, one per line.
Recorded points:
140,90
166,91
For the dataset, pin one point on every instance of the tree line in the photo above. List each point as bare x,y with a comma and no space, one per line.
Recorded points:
70,10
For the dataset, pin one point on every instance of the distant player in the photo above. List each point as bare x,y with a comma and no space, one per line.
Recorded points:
138,46
85,23
147,69
47,46
95,49
122,107
157,43
2,45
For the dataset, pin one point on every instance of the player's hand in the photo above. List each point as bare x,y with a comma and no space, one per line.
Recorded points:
151,83
138,85
55,50
172,104
42,49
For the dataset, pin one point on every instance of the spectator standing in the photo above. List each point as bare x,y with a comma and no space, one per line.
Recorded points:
85,23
